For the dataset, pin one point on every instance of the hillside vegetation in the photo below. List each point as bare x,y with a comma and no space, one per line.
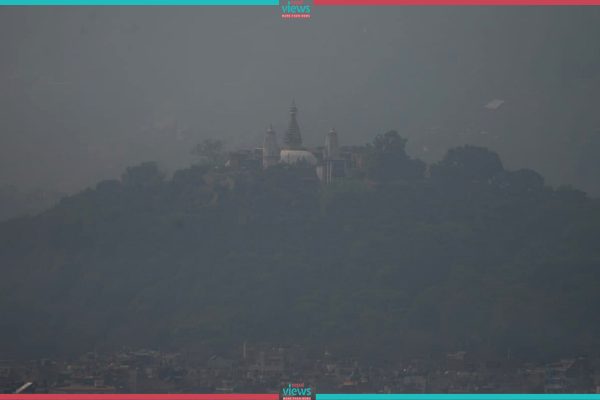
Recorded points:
398,259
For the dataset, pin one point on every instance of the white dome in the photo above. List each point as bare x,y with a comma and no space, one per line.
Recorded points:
295,156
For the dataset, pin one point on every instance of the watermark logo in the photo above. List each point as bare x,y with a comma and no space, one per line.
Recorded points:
297,391
296,9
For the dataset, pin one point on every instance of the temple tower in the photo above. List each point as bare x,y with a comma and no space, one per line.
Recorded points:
333,165
332,151
293,139
270,148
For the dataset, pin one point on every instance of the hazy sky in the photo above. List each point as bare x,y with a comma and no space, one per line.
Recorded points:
85,92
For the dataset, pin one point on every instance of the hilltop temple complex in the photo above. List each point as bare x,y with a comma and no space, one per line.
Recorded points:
329,161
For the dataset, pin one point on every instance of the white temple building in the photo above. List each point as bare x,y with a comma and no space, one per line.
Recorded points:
327,161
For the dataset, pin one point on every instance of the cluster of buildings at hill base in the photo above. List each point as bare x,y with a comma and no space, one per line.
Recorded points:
267,369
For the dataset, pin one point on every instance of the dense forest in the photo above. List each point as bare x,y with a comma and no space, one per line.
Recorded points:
16,202
400,258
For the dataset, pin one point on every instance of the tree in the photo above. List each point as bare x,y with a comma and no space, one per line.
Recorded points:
520,181
471,163
387,159
189,177
144,175
390,143
210,152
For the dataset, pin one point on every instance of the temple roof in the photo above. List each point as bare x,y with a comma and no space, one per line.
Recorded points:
293,138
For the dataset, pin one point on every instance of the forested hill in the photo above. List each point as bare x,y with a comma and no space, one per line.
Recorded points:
395,260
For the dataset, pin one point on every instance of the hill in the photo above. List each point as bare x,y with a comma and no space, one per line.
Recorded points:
466,256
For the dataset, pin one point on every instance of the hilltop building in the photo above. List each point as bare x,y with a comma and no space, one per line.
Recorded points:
293,138
293,152
327,160
270,150
333,165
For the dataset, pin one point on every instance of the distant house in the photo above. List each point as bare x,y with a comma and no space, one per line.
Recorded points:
569,376
217,362
459,361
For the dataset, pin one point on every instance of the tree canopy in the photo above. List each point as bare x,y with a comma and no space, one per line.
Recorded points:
474,257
